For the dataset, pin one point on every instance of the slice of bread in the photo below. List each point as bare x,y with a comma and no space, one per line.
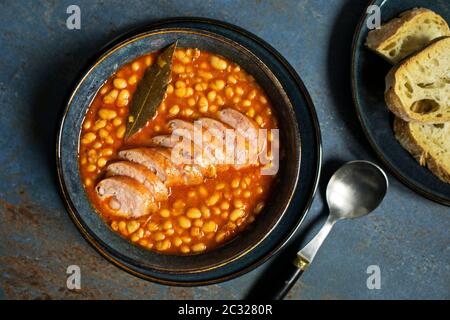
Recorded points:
429,144
408,33
418,89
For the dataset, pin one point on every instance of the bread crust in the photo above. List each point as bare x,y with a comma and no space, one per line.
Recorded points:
376,38
392,30
391,97
408,141
392,100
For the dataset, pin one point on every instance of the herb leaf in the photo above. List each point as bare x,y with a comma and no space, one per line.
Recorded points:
150,91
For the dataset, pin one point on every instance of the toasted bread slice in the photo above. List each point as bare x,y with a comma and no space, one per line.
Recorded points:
429,144
410,32
418,89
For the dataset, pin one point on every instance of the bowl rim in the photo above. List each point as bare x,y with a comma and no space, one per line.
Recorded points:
293,179
123,40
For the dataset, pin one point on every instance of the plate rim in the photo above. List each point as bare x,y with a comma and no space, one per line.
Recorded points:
405,180
297,80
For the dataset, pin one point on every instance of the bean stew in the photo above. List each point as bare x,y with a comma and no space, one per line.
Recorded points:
192,218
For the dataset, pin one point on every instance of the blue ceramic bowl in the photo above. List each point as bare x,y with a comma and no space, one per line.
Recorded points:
275,224
368,73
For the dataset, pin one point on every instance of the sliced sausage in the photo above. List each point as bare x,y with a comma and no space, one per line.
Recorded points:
182,128
155,162
239,157
134,186
216,127
127,197
191,173
142,175
246,151
188,155
166,141
212,151
240,122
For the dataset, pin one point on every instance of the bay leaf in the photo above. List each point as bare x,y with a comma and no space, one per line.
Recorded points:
150,91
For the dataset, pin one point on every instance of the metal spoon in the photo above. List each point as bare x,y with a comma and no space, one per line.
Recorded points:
355,190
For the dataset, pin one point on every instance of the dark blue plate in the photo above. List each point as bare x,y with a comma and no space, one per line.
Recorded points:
291,198
368,73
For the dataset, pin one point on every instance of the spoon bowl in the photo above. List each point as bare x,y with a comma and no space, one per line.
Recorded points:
356,189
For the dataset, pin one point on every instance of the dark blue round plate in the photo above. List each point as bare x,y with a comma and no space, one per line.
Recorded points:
139,261
368,73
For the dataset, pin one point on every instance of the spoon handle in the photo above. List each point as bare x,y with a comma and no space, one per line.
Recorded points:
309,251
291,273
294,270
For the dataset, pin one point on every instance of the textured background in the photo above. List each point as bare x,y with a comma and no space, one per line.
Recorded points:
39,58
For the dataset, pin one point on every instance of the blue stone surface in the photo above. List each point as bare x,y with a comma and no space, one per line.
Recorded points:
407,236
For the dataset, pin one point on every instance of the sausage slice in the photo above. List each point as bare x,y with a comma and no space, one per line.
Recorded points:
141,174
164,169
127,197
